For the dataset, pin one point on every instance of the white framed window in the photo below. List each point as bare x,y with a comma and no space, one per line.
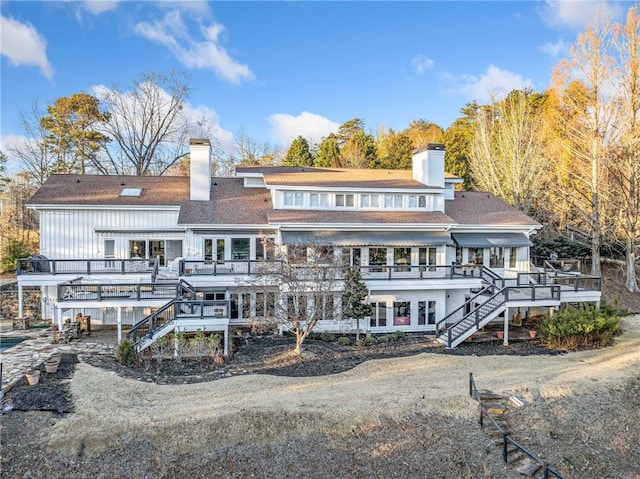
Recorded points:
345,200
318,200
369,201
417,201
292,198
393,201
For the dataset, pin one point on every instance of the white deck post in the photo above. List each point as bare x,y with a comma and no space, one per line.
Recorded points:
226,343
506,328
20,299
119,321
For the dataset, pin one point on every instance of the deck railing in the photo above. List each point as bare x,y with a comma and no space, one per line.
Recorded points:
42,265
189,268
78,291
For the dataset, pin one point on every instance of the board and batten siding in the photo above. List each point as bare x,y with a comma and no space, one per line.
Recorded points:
70,234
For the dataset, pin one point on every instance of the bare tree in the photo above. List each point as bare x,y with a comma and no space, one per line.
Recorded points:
148,124
587,116
506,155
309,284
249,151
623,164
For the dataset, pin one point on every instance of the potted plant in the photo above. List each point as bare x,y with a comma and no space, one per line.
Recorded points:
51,365
532,333
33,377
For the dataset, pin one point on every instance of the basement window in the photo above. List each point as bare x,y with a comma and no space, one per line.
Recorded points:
131,192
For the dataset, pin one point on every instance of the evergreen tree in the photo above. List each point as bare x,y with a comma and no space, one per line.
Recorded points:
354,298
298,154
328,152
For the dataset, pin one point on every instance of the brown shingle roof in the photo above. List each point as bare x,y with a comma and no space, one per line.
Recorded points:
476,208
105,190
336,177
360,217
231,203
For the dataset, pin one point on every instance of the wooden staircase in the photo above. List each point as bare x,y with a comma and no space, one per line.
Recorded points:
473,315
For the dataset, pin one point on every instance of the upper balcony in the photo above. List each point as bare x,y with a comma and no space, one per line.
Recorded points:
40,265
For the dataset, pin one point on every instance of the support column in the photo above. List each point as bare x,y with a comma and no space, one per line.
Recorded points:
506,327
226,343
58,314
20,301
119,321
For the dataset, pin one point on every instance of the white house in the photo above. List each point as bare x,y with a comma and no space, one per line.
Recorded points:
154,254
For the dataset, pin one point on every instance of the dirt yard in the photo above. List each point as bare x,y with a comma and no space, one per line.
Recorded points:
403,417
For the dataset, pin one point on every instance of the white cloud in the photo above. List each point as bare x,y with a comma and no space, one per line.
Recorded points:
22,44
422,63
286,128
8,144
206,53
96,7
492,85
555,49
577,13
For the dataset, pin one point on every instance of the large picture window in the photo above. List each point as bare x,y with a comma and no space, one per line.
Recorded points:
401,313
377,259
240,249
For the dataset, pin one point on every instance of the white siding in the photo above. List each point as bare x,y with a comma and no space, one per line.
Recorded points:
71,234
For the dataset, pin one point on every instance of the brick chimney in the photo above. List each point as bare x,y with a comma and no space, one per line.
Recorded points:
200,173
428,165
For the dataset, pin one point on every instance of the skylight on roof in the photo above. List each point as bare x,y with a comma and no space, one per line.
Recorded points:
131,192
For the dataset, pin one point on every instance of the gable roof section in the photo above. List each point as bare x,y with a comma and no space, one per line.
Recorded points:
231,203
97,190
476,208
336,177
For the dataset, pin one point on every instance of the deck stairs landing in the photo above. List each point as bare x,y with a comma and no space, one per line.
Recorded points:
185,312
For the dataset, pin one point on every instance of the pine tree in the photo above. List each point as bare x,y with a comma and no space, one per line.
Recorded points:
299,154
354,297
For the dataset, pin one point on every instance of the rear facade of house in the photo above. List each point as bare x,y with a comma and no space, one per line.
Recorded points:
160,254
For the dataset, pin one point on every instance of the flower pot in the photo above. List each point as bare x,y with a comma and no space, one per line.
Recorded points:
532,333
500,334
51,366
33,378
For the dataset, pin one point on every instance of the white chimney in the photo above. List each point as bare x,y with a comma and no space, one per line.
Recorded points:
428,165
200,175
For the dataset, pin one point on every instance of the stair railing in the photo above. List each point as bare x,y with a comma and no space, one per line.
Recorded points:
548,471
478,313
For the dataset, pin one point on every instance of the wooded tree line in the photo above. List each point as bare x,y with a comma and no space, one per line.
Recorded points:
567,156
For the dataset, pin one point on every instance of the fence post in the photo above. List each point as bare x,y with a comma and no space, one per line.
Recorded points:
546,470
471,384
504,446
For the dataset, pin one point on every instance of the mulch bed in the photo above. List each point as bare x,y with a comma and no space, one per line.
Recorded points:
52,393
258,355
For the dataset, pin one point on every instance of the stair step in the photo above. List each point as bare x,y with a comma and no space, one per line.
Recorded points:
529,468
514,457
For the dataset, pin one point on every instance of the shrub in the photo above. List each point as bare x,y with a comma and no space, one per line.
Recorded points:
366,342
400,334
13,251
578,328
126,353
328,337
344,341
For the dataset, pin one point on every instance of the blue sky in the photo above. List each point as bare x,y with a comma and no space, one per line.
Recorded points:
278,69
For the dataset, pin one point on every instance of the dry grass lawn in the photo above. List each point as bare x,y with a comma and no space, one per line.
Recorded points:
387,418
